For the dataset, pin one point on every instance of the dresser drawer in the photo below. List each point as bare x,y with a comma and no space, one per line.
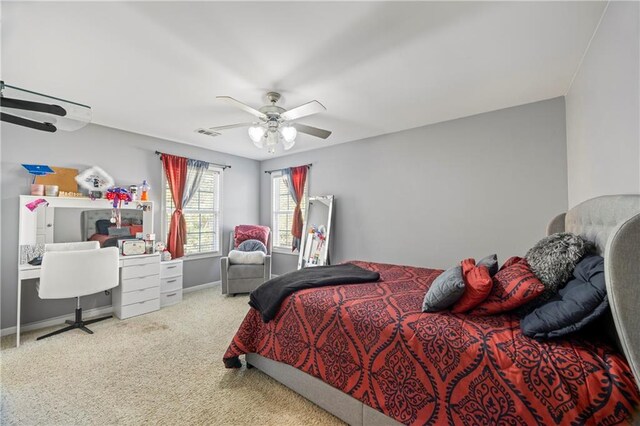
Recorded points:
140,283
139,308
173,269
133,261
140,295
170,298
141,270
170,284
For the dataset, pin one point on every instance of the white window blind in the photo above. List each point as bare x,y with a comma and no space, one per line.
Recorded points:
282,210
202,215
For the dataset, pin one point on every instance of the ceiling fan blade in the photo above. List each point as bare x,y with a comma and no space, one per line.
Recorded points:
242,106
231,126
309,108
313,131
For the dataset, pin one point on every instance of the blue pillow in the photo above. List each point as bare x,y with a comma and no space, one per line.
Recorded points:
252,245
102,226
579,302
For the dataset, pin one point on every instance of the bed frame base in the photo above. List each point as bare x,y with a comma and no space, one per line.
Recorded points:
338,403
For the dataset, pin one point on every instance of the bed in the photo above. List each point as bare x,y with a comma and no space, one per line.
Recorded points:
367,354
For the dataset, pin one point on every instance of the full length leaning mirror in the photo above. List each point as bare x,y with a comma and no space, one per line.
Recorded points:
314,250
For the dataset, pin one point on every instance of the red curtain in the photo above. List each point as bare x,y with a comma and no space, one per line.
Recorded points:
298,176
176,170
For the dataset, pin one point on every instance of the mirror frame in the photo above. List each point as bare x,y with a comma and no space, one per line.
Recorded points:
330,199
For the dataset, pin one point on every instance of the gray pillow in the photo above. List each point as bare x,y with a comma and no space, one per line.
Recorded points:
444,291
119,232
491,262
252,245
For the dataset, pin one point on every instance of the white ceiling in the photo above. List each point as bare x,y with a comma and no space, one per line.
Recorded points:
155,67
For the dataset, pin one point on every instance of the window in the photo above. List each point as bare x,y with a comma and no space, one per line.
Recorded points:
202,215
282,207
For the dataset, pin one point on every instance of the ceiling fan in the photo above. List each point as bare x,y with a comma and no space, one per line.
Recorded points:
275,123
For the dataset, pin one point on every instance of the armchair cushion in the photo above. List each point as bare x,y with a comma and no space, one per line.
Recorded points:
246,257
237,272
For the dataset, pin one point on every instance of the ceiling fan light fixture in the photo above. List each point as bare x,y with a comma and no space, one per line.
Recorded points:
256,133
289,134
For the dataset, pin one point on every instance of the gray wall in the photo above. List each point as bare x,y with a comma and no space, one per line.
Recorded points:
129,158
603,110
434,195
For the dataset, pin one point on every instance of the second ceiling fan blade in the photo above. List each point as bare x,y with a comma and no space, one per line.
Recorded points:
309,108
231,126
242,106
313,131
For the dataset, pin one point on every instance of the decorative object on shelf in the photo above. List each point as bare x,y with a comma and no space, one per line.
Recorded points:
51,190
37,189
149,241
36,203
160,246
131,247
166,255
36,170
143,207
133,190
144,191
95,180
71,194
275,123
41,112
118,195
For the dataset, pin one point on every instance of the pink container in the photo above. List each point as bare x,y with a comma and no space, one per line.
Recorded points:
37,189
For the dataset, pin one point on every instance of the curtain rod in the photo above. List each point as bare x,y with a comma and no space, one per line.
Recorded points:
224,166
277,170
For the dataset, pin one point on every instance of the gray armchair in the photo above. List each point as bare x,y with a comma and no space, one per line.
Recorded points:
243,278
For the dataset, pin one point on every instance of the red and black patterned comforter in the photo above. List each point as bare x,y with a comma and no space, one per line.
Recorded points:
372,342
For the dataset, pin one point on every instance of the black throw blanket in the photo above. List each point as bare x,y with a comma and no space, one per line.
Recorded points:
268,297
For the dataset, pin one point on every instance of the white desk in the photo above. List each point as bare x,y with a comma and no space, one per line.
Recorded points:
30,272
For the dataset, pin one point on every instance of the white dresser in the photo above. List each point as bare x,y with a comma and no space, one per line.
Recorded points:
170,282
139,289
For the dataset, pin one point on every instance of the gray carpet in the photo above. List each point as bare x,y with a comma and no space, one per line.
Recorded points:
160,368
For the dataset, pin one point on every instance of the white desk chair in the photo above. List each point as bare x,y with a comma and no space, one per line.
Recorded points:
74,270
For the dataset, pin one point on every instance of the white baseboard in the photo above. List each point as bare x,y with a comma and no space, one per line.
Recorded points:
200,287
104,310
50,322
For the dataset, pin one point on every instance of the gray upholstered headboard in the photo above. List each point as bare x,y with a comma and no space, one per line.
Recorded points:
88,219
612,222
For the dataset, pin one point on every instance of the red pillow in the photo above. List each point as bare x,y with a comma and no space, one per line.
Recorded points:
512,287
251,232
477,283
511,261
135,229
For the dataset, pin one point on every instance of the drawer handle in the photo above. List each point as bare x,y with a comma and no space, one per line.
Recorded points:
142,303
172,281
171,267
144,276
172,294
